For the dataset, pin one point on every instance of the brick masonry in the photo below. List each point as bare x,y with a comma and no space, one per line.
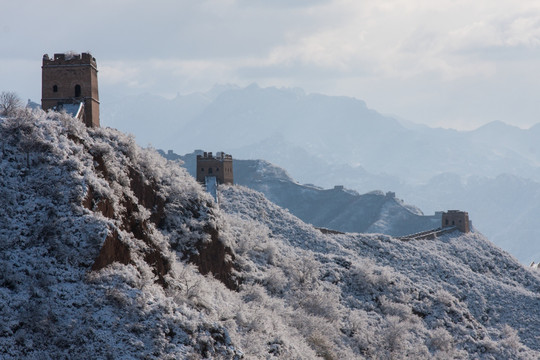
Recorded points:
220,166
71,79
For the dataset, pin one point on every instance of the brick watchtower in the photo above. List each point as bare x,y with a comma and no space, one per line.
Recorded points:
69,81
220,167
459,219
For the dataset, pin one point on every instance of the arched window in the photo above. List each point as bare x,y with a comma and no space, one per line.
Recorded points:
77,90
55,88
209,170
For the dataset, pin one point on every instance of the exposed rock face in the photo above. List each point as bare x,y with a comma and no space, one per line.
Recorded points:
216,258
147,196
103,205
143,195
113,250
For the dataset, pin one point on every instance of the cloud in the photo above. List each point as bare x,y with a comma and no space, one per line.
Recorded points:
118,72
414,48
448,40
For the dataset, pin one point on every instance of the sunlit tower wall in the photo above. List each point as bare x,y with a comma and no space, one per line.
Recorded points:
71,79
220,167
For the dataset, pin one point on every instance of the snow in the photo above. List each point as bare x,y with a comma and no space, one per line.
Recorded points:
211,186
459,285
302,294
72,109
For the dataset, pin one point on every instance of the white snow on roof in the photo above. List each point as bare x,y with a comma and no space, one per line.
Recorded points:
73,109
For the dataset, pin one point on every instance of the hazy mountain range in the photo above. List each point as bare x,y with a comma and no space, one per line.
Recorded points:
110,251
492,172
337,130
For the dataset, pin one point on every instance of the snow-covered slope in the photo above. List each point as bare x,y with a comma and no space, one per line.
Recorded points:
454,297
103,247
91,232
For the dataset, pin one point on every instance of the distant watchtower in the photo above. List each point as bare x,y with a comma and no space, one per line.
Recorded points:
220,167
459,219
69,82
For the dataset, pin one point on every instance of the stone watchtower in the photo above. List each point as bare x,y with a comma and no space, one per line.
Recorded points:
459,219
220,167
69,82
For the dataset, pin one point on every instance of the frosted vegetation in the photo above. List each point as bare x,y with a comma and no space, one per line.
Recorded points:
298,294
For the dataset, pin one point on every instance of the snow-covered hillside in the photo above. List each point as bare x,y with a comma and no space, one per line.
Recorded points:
103,247
92,229
458,296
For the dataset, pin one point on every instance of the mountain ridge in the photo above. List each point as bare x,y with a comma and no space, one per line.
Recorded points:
299,294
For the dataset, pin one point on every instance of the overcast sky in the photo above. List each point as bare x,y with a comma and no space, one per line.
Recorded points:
449,63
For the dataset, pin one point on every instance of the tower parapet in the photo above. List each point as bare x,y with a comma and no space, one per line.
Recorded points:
69,58
70,79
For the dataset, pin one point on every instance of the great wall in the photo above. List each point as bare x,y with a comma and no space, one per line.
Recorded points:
69,83
450,221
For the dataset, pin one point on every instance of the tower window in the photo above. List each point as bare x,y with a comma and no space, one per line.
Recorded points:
55,88
77,90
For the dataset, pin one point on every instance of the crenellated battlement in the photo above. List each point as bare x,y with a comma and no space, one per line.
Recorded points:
219,156
62,59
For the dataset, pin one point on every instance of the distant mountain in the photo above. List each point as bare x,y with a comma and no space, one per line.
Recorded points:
336,130
146,115
110,251
510,140
337,208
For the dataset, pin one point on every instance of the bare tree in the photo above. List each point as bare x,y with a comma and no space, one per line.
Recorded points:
9,102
